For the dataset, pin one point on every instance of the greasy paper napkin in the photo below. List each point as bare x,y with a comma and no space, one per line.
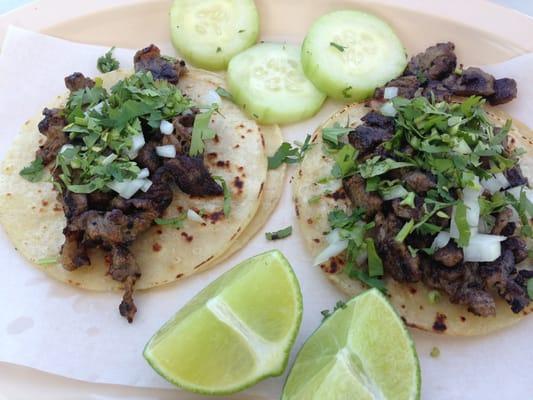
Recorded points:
50,326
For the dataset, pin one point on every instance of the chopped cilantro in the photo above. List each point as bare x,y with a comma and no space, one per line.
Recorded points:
405,231
345,164
435,352
281,234
362,276
333,134
434,296
338,46
33,172
338,305
462,224
107,62
409,200
227,195
375,265
224,93
289,154
47,261
200,132
176,222
376,166
530,288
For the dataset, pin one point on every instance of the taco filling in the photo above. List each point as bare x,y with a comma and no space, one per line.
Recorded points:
116,155
436,191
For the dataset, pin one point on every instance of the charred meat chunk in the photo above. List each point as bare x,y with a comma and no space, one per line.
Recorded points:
407,87
100,200
192,176
505,90
397,259
149,59
515,176
436,63
148,158
518,246
474,82
366,138
52,127
419,181
74,204
355,189
450,255
437,91
407,212
74,252
378,120
502,220
78,81
127,307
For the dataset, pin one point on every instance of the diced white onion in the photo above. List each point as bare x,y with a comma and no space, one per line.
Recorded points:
65,147
517,190
454,231
502,179
166,127
212,97
483,248
471,200
388,109
441,240
98,107
194,216
394,192
168,151
145,173
493,185
146,185
361,258
137,143
390,92
109,159
332,250
127,189
514,217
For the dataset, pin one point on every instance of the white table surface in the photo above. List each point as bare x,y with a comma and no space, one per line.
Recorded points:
525,6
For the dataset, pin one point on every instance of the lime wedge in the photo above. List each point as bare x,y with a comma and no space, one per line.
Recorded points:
362,351
235,332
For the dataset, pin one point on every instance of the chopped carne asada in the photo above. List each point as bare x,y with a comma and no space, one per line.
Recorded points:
113,184
434,185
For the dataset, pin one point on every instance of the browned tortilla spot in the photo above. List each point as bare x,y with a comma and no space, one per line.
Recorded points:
316,240
44,203
156,247
440,323
211,156
179,275
187,237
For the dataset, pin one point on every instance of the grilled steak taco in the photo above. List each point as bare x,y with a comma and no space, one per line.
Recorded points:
426,196
135,179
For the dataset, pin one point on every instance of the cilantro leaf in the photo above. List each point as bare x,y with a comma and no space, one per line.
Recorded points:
176,222
462,224
338,305
375,265
333,134
227,195
289,154
362,276
375,166
281,234
33,172
407,228
107,62
200,132
224,93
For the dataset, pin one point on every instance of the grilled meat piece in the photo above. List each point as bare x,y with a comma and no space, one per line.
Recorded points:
148,158
73,251
355,188
396,257
78,81
407,212
123,264
505,90
407,87
515,176
436,90
478,301
52,127
100,200
518,246
450,255
436,63
149,59
366,138
502,220
419,181
499,274
379,120
192,176
474,82
74,204
127,307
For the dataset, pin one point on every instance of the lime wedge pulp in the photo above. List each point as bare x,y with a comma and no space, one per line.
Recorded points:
361,352
235,332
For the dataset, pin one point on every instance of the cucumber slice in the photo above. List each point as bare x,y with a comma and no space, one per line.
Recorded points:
268,82
348,54
208,33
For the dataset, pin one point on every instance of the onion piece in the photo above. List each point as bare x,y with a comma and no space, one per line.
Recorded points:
147,185
471,200
194,216
166,127
493,185
483,248
137,143
502,179
331,251
167,151
517,191
65,147
388,109
145,173
126,189
441,240
109,159
390,93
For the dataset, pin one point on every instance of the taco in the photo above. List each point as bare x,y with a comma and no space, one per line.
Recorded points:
135,179
426,196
